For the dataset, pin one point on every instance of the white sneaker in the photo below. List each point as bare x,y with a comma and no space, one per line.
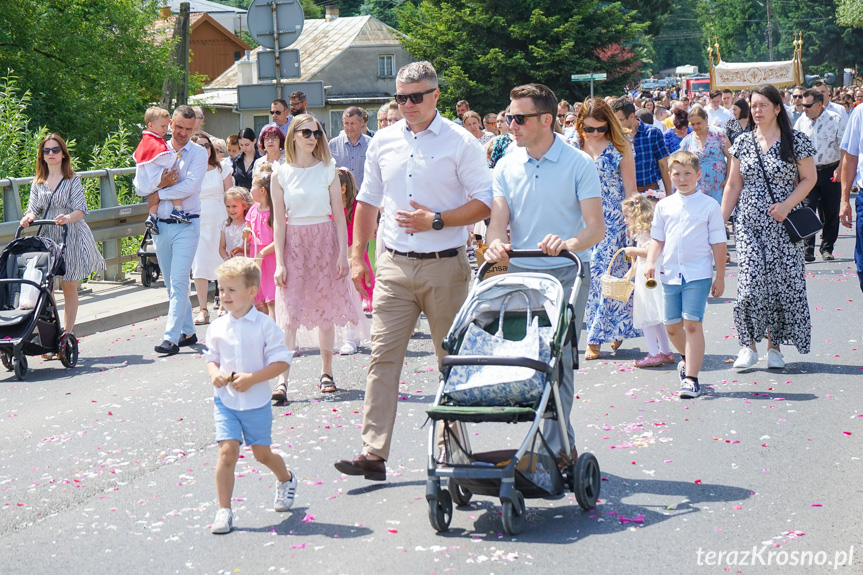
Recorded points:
746,358
285,491
775,359
348,348
223,522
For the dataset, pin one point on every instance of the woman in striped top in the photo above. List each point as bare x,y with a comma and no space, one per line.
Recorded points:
57,194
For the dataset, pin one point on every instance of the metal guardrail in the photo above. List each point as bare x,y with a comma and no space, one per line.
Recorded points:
110,224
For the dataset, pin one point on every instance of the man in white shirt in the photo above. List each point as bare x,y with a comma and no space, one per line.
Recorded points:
431,179
176,243
717,115
727,99
828,103
825,129
852,177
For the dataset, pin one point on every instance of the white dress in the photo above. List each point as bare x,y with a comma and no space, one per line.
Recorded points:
213,214
647,306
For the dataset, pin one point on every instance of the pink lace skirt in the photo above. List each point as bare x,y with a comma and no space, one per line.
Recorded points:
313,296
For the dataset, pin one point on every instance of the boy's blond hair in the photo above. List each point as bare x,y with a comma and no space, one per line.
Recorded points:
155,112
685,159
240,267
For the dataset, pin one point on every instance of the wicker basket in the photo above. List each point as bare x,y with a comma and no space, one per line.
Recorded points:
614,287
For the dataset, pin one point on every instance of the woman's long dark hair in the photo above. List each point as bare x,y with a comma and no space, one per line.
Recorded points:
786,143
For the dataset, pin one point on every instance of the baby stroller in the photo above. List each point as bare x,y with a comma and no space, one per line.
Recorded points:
150,270
32,331
506,387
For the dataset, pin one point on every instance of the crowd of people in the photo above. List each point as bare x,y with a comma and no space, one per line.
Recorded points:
305,233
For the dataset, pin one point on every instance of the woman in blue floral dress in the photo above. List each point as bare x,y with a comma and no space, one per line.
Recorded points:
602,137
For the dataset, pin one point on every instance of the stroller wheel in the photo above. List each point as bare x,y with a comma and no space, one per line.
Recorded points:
68,350
440,511
146,277
20,367
513,519
6,359
587,481
460,496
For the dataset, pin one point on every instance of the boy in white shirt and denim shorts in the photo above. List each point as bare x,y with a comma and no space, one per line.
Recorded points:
687,240
245,350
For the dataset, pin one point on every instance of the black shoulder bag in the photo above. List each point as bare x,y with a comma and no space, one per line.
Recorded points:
802,222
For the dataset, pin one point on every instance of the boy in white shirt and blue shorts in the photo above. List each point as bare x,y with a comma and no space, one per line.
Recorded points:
687,240
245,350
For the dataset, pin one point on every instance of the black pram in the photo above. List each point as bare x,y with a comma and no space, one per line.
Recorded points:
36,330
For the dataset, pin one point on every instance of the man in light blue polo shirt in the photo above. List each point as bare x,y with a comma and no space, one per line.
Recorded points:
549,195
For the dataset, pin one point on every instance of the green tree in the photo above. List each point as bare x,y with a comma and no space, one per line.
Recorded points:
739,25
86,64
827,47
850,13
481,49
384,10
681,41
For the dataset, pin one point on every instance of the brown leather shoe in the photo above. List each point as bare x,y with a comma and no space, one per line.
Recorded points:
373,469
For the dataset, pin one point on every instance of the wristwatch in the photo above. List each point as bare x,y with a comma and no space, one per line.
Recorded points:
437,222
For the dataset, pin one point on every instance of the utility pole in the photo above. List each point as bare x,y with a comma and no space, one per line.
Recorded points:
769,33
175,93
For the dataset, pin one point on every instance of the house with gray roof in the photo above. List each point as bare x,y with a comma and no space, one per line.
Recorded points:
232,19
356,58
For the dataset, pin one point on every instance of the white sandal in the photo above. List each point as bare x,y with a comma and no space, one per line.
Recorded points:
203,318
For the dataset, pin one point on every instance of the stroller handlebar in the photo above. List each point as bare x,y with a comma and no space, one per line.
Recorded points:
534,254
42,223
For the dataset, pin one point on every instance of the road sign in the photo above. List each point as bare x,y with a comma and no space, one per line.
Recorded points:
596,76
259,96
288,16
289,64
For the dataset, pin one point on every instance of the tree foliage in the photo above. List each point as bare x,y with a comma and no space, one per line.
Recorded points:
85,64
741,27
850,13
481,49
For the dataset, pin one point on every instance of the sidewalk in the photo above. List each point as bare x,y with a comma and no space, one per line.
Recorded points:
109,305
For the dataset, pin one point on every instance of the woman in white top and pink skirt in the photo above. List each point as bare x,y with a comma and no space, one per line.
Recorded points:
313,289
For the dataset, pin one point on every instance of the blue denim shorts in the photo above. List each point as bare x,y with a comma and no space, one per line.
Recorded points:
686,301
255,426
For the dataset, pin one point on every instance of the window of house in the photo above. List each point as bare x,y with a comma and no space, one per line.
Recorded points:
335,126
260,122
386,65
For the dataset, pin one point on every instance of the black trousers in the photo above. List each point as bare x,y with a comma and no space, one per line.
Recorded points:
824,198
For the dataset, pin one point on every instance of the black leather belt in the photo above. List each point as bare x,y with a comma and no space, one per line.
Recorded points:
425,255
832,166
190,216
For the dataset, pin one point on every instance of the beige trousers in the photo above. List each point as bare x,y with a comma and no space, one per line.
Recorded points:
403,288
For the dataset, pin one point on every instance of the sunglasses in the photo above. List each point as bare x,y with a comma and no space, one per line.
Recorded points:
416,98
519,118
205,144
797,96
570,123
309,133
276,112
54,150
807,106
590,130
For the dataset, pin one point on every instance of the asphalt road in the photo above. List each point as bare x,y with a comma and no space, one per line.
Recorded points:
108,468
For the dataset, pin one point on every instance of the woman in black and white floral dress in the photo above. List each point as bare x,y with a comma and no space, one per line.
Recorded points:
771,283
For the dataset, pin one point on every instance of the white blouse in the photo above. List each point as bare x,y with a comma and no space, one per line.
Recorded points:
307,192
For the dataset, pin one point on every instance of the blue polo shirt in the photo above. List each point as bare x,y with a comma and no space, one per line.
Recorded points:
544,197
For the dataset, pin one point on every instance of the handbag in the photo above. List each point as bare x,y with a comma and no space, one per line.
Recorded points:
802,222
497,385
616,288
